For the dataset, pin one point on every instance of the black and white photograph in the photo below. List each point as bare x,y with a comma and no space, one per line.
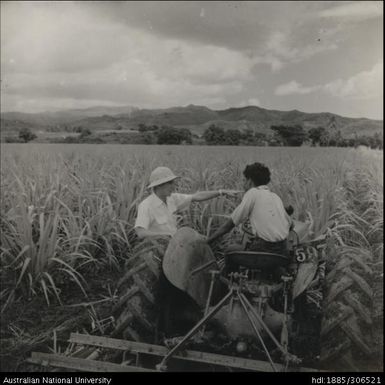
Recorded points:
191,186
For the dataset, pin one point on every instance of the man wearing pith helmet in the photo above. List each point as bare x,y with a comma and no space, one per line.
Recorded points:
156,213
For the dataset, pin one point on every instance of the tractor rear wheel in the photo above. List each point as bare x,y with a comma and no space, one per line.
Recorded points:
347,323
150,308
137,311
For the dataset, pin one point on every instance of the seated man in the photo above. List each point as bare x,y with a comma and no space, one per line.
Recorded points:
269,221
157,218
156,213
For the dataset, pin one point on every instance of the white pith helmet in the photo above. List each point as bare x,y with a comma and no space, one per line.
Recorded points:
161,175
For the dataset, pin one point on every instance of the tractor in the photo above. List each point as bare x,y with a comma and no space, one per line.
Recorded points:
184,306
246,305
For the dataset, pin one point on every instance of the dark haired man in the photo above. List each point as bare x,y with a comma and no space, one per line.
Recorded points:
269,221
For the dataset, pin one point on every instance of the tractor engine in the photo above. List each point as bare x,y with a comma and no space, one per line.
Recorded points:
264,290
265,294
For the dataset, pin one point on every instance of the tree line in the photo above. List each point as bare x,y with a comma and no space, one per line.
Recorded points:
281,135
289,135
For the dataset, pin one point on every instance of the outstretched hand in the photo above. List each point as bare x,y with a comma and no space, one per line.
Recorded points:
231,193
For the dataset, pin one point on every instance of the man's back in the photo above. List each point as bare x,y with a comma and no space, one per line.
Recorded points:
266,213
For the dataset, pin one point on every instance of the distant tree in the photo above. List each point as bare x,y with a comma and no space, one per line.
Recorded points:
291,135
26,135
56,128
324,139
274,140
363,140
335,139
71,139
186,135
255,139
92,139
232,137
85,132
148,138
171,135
214,135
260,139
11,139
343,142
378,141
248,135
77,129
142,127
351,142
315,135
375,141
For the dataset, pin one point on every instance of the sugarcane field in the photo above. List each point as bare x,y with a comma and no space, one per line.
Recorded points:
191,187
73,264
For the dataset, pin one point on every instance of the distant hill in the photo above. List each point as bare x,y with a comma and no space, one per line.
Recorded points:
65,116
195,118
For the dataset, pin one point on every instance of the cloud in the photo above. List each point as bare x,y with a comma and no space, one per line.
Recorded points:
263,28
224,24
202,63
134,82
364,85
278,44
157,54
293,87
54,37
275,64
67,38
73,58
284,48
78,36
354,11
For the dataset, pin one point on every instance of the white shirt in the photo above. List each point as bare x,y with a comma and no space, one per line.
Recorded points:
155,215
266,213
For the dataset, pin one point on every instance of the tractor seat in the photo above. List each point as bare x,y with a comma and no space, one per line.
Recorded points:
256,259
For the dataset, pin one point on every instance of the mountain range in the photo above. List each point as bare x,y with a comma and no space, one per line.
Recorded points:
195,118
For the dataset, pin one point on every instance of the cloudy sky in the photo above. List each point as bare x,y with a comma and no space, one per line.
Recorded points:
313,56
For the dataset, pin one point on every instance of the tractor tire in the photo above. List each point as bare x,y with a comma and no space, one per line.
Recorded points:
346,328
136,313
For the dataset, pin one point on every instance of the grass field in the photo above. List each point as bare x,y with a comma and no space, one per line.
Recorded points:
67,211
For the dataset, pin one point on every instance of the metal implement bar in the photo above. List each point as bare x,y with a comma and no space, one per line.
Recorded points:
81,364
213,275
202,322
188,355
260,320
256,331
202,267
210,292
284,332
